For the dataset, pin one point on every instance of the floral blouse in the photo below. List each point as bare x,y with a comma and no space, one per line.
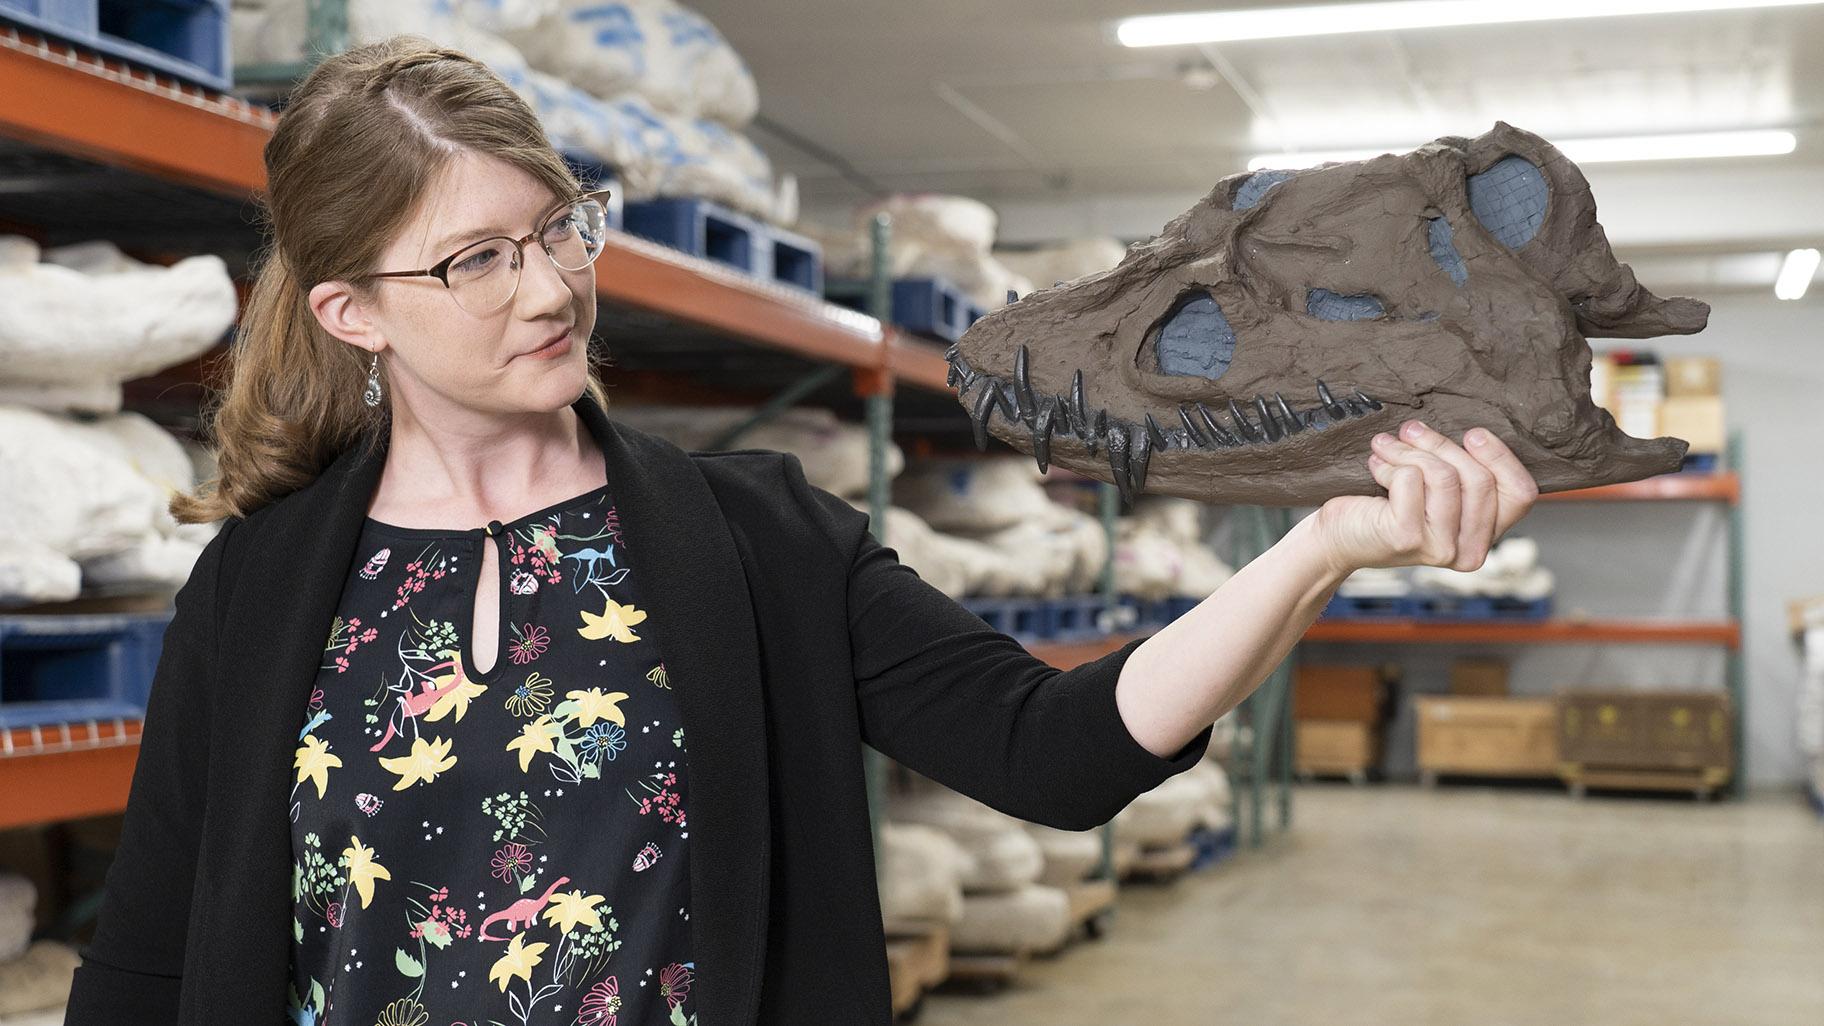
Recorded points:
500,847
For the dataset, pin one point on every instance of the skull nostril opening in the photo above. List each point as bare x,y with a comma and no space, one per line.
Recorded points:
1195,338
1326,305
1444,250
1253,187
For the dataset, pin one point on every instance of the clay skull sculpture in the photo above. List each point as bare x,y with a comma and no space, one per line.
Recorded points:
1248,353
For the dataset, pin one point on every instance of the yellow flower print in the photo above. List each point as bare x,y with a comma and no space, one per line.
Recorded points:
362,869
592,705
313,762
537,736
456,698
427,759
570,908
616,621
518,962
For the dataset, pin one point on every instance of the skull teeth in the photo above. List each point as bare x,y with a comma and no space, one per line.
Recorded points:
1130,446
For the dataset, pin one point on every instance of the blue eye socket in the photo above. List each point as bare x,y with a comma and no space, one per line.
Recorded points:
1510,200
1196,339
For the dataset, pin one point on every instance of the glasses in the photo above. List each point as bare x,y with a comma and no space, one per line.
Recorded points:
483,276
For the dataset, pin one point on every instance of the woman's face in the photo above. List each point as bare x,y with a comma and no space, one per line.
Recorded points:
435,352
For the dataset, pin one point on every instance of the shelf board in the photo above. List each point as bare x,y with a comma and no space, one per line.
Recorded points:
1065,655
68,771
1556,631
1724,486
87,106
117,122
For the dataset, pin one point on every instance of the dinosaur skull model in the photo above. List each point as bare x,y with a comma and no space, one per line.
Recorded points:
1248,353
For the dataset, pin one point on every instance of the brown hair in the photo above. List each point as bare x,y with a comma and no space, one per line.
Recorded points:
347,164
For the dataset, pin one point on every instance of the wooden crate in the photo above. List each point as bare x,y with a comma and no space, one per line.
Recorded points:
1502,737
1338,691
1646,730
1337,747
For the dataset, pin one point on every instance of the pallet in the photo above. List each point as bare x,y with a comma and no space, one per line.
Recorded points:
985,972
1067,618
186,39
1091,901
1212,846
77,668
926,306
715,233
1699,783
1446,608
1162,865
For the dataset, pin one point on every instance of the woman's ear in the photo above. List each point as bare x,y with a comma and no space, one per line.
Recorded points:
344,315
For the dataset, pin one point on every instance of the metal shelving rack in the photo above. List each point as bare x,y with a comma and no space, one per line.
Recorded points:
172,147
1722,486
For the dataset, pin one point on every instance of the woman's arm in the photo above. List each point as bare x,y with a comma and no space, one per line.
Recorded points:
132,970
1446,506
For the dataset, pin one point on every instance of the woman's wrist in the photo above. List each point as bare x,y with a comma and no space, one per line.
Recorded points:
1327,567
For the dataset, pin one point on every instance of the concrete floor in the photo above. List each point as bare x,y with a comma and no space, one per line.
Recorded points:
1465,905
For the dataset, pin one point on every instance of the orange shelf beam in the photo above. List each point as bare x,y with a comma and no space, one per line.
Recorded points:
87,106
643,274
1725,486
1558,631
916,361
67,771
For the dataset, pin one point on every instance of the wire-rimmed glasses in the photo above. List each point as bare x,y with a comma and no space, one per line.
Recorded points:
483,276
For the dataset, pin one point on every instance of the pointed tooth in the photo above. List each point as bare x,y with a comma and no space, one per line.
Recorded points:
1012,297
1041,437
1242,424
1060,413
1217,431
1190,425
984,408
1079,408
1293,424
1335,409
1153,431
1142,453
1363,396
1022,385
1116,440
1267,423
1101,422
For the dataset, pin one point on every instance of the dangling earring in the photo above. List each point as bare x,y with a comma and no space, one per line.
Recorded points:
372,395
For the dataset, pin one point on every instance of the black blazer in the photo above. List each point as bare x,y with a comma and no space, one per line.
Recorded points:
790,636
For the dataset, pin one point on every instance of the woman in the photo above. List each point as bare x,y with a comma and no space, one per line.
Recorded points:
583,743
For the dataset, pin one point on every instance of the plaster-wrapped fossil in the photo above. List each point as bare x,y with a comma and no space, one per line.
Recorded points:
1248,352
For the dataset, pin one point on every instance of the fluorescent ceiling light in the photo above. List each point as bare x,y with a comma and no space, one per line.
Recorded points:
1796,274
1686,146
1335,19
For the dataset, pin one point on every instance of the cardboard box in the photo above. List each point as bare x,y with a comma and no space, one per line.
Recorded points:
1486,678
1693,375
1504,737
1337,746
1802,613
1697,419
1352,692
1641,730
